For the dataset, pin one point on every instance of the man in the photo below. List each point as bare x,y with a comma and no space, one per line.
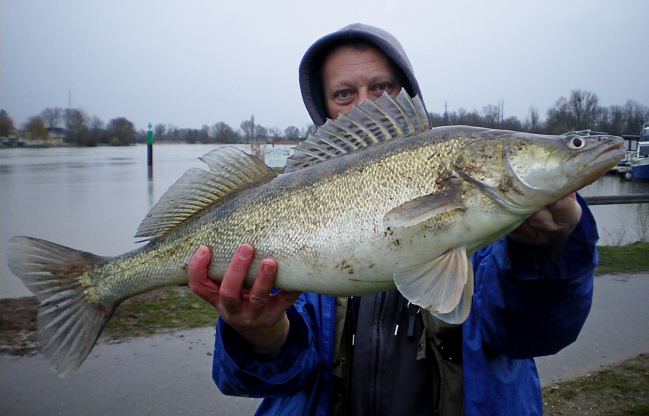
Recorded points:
316,355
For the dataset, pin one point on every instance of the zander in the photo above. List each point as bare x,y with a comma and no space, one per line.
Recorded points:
373,199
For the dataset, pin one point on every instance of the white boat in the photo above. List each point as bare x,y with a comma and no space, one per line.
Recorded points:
639,162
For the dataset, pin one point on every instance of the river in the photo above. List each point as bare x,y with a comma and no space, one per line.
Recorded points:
94,198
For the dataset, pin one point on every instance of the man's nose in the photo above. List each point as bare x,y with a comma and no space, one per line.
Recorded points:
363,95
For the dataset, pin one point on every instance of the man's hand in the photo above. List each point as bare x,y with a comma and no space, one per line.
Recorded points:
259,317
550,227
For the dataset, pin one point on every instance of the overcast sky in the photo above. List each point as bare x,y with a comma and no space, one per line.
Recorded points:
196,62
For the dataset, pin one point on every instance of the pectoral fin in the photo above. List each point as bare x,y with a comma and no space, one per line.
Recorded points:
424,208
443,286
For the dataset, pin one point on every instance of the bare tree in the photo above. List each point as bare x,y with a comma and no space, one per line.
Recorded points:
96,130
248,129
159,131
261,134
292,134
511,123
223,133
275,134
634,115
491,115
204,135
172,132
53,117
584,108
559,119
533,121
76,127
309,128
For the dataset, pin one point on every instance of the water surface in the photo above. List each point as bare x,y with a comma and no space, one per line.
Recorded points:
94,198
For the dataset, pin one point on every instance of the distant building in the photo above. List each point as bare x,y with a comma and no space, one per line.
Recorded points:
57,134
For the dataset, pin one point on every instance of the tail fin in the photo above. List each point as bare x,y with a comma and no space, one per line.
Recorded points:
68,323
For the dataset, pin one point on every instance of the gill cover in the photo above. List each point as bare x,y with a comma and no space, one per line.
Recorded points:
519,171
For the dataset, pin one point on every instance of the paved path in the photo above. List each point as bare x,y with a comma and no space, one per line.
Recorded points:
617,329
171,374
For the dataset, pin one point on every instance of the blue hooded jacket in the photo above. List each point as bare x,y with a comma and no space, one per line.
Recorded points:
520,309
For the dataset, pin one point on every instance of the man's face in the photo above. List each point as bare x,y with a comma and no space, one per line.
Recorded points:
350,76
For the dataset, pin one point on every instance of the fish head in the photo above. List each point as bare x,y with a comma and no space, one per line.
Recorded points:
525,172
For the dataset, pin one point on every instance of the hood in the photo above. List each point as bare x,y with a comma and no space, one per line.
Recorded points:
311,83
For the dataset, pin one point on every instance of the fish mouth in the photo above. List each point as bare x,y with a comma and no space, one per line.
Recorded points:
596,161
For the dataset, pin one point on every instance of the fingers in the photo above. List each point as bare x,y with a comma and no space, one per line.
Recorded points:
261,289
260,294
542,220
551,225
198,281
237,305
230,290
566,211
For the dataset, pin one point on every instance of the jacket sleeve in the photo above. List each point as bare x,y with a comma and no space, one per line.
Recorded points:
524,309
236,372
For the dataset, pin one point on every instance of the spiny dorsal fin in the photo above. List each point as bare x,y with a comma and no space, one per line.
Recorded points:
365,125
232,170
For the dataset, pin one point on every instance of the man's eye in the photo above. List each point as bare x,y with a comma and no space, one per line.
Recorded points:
344,94
383,87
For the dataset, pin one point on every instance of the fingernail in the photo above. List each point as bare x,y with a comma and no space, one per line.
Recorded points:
245,252
202,252
267,268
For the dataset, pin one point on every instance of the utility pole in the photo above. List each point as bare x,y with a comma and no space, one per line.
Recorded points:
446,112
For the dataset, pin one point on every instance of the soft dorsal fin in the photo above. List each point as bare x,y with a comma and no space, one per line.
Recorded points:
372,122
231,170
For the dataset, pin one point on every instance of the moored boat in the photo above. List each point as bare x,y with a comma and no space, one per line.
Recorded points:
639,162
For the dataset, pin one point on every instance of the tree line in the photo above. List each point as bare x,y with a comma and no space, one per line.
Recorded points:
76,127
72,126
579,111
222,133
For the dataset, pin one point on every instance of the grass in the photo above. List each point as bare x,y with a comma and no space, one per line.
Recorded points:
625,259
164,309
619,390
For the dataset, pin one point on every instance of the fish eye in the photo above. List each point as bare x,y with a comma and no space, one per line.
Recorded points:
576,143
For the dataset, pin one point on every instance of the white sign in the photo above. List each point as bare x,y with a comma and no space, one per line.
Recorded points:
275,156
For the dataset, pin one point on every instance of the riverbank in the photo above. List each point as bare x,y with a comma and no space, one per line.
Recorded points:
177,308
619,389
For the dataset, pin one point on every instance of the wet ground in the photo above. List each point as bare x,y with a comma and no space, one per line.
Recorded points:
171,374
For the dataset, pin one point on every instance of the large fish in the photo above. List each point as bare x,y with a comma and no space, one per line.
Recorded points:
374,199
